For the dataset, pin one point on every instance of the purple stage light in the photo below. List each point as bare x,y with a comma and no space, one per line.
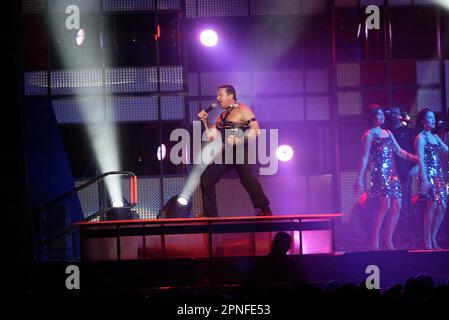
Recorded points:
284,152
209,38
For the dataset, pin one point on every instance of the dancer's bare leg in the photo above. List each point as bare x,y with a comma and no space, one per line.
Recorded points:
393,218
437,220
382,208
429,212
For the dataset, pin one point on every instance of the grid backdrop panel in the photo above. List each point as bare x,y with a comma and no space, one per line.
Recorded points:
232,199
279,109
348,75
349,103
36,83
347,195
219,8
280,7
81,81
171,78
194,108
148,189
131,80
172,186
129,109
193,84
89,198
85,6
314,6
427,72
211,80
190,8
429,98
148,193
317,80
278,81
79,110
172,108
320,194
291,198
317,108
169,5
128,5
109,109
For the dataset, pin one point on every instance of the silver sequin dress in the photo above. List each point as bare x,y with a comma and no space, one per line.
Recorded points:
434,171
384,177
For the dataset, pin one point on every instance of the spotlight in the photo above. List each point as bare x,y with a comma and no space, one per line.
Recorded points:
119,210
284,152
182,200
176,207
117,203
80,37
209,38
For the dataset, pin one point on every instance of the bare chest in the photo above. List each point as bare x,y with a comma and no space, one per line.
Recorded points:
233,116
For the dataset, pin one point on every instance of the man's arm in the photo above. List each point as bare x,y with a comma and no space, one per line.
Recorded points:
249,117
211,130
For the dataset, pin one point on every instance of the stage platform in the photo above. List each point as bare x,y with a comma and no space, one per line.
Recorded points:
167,254
204,237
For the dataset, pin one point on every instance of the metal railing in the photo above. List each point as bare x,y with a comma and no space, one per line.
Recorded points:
45,206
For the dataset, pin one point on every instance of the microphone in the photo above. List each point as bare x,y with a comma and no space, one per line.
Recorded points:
406,120
211,106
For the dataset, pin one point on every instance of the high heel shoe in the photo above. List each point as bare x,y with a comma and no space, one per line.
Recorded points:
375,246
389,244
428,246
435,245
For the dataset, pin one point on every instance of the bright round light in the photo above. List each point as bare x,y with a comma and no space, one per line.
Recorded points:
118,203
284,152
161,152
80,36
183,201
209,38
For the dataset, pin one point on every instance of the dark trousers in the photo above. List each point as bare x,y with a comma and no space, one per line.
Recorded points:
212,175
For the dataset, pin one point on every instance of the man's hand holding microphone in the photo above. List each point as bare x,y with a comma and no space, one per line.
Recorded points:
211,133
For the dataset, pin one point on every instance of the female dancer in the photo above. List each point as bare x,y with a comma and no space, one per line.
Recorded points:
378,147
431,182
